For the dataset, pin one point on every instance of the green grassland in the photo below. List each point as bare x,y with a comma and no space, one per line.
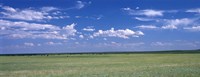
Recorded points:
102,65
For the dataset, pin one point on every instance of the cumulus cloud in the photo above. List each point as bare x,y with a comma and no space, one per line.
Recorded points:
118,33
146,12
194,28
29,14
146,27
69,30
12,29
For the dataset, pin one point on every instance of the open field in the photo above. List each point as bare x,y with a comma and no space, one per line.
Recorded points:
102,65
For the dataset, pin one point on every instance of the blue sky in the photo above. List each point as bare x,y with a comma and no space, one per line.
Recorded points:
42,26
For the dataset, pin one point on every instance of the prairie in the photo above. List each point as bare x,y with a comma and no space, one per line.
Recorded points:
102,65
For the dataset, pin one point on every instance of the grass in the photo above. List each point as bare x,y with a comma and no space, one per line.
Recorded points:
102,65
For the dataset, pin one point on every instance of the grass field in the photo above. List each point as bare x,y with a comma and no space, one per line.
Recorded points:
101,65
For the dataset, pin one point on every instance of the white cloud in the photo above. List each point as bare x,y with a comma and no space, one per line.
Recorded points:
133,44
137,8
77,16
69,30
146,12
144,19
81,36
38,44
115,44
54,43
29,14
169,27
2,28
187,43
194,28
80,4
25,15
105,39
29,44
169,23
9,9
99,17
118,33
27,26
77,43
121,45
152,13
108,44
174,23
197,10
184,21
11,29
91,37
161,44
48,9
147,27
89,28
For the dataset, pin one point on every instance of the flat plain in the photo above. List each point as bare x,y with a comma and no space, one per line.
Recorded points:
102,65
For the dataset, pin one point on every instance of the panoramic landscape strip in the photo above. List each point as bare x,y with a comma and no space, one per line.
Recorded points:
102,65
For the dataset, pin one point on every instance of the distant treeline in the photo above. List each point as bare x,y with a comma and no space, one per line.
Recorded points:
111,52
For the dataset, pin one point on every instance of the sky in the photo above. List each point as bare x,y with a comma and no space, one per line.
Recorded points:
54,26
